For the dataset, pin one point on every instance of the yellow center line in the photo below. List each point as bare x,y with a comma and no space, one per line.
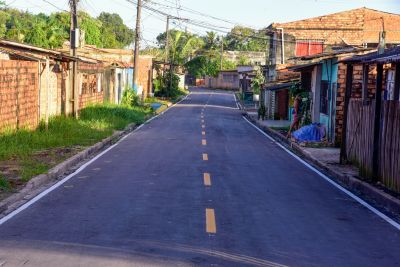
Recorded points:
203,133
207,179
205,156
204,142
211,226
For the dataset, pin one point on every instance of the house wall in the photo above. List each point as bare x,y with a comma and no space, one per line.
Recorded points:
356,90
19,94
220,83
50,92
145,75
355,26
91,88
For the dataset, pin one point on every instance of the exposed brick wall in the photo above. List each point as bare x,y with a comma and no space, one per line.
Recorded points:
145,76
19,94
356,90
90,93
355,26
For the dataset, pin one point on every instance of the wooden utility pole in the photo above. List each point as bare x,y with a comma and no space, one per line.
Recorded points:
137,47
222,52
74,44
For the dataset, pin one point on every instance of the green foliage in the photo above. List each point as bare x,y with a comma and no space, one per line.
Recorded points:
167,86
114,32
182,46
258,82
208,65
95,123
51,31
4,184
246,39
130,98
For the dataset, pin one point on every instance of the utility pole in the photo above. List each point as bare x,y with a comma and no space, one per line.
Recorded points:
167,56
167,40
137,47
74,44
222,51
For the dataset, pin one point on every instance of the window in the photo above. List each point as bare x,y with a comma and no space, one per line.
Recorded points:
308,48
324,97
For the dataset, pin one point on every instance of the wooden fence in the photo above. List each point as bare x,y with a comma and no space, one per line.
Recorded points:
389,154
360,135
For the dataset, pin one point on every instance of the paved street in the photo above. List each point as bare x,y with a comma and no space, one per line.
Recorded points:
185,192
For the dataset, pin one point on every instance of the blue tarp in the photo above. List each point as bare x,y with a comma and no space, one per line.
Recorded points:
311,133
156,106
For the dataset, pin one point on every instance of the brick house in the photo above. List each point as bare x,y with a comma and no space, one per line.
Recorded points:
360,27
371,115
119,63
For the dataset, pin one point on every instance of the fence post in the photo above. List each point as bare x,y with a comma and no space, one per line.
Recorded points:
347,95
397,83
377,122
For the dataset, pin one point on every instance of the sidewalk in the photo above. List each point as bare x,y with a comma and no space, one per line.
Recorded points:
327,160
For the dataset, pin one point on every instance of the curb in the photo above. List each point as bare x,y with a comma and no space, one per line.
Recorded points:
40,183
351,183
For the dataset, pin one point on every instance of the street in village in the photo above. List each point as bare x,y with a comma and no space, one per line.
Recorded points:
187,189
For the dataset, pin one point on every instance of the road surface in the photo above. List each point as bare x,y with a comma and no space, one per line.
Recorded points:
198,186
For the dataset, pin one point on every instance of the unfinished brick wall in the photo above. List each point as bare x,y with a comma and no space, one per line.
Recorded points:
145,76
19,94
91,92
91,89
355,26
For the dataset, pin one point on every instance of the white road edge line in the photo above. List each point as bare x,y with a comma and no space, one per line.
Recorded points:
326,178
80,169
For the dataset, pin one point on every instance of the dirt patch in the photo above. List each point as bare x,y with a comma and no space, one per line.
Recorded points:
16,172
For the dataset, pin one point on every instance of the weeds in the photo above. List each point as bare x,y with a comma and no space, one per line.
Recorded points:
95,123
4,184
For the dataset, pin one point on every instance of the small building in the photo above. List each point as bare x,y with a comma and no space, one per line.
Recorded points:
120,67
371,116
226,79
322,75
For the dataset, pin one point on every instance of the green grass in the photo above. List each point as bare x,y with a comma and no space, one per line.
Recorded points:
4,184
95,123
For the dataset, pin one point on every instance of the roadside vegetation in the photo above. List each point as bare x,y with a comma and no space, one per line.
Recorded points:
24,153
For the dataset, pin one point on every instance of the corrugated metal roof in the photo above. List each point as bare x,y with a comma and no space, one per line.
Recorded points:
390,55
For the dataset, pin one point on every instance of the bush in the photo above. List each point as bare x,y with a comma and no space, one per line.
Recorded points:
167,85
130,98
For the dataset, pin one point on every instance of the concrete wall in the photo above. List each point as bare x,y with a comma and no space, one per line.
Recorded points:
220,82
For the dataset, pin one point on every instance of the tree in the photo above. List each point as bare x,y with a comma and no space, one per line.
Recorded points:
211,41
91,27
182,47
114,32
246,39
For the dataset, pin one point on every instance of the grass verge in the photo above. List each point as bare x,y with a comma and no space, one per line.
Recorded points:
25,154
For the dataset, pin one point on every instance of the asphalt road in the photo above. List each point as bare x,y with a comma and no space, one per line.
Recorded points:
165,197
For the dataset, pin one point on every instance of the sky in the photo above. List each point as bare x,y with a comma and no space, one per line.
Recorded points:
252,13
